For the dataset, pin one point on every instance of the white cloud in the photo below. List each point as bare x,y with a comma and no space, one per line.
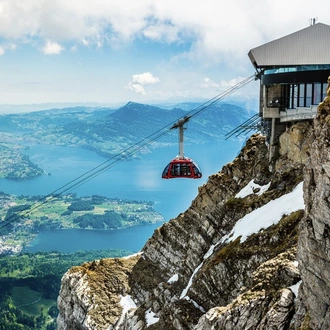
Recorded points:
140,80
8,46
144,78
162,32
136,88
220,86
12,46
183,41
73,49
209,83
219,31
51,48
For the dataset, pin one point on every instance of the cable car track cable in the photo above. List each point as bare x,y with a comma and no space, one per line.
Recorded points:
124,154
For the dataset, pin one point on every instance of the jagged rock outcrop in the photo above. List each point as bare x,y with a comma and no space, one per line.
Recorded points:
294,144
256,308
90,293
191,274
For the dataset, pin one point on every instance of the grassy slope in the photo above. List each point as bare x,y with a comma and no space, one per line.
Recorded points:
30,301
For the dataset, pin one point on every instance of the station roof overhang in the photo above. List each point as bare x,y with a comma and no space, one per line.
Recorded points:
309,46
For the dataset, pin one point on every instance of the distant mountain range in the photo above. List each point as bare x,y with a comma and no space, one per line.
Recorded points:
106,130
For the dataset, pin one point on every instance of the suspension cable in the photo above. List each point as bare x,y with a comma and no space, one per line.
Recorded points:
125,154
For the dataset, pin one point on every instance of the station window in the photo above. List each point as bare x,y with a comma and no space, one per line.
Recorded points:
309,93
317,94
305,95
301,92
324,91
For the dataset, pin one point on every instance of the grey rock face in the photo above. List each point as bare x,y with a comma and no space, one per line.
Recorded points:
90,294
314,240
190,277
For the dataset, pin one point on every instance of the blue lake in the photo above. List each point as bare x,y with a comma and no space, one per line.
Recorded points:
72,240
138,179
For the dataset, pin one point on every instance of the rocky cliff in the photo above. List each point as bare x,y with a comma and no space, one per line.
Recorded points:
251,252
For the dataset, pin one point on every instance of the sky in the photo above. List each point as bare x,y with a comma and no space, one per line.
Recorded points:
115,51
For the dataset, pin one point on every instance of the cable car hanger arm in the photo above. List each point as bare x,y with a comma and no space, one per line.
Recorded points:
181,122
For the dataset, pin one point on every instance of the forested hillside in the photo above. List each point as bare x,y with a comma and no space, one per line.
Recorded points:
29,286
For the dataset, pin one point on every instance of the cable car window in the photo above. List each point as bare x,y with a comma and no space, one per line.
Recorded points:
185,169
197,169
164,174
175,169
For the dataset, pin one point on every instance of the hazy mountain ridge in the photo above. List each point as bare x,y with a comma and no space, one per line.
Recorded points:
135,121
204,270
48,119
106,130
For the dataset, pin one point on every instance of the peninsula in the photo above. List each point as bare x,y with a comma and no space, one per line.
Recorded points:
23,217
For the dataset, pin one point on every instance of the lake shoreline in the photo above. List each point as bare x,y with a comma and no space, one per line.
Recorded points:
130,180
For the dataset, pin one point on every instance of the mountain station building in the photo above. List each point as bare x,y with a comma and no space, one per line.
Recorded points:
293,73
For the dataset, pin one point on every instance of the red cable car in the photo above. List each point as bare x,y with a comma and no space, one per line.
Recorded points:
181,167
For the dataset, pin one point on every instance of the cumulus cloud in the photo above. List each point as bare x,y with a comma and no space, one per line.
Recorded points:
51,48
136,88
140,80
144,78
183,41
211,28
